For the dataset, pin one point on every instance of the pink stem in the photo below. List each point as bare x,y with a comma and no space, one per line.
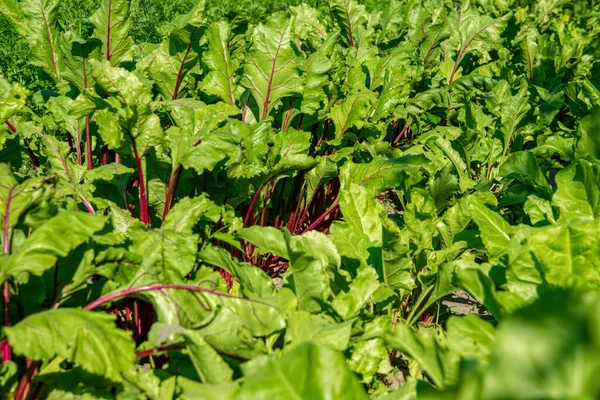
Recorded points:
171,191
149,352
254,198
88,143
157,287
32,156
6,353
25,382
331,209
144,215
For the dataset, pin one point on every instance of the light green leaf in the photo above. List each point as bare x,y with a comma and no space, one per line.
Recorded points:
362,287
370,357
87,339
178,55
209,365
255,283
548,350
307,371
315,71
321,329
36,20
166,250
271,70
350,17
13,98
495,231
578,192
425,348
352,112
111,26
221,81
589,143
54,239
187,212
523,166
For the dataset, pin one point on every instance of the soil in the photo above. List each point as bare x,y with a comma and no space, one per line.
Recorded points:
460,303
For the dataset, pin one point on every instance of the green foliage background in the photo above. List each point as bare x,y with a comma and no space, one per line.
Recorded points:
147,16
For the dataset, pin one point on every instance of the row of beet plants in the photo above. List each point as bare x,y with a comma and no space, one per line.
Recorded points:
276,211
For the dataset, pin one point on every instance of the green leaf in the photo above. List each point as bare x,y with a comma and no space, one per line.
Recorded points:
370,357
78,53
187,212
190,389
211,150
352,112
362,287
362,212
13,98
420,217
390,76
495,231
111,26
547,350
539,210
315,70
307,371
425,348
209,365
54,239
178,55
578,192
255,283
511,109
16,198
312,259
523,166
166,250
378,175
321,329
268,238
321,174
349,16
221,81
313,262
588,143
271,70
471,337
36,20
563,255
527,39
87,339
290,152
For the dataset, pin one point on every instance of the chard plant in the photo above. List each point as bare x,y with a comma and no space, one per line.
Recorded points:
291,209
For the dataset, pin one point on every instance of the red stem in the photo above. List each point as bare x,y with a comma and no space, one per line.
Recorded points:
107,298
88,143
180,72
286,121
159,349
144,215
173,182
25,382
331,209
78,143
6,354
402,132
32,157
254,198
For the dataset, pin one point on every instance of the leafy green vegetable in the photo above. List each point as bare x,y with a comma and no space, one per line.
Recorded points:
268,199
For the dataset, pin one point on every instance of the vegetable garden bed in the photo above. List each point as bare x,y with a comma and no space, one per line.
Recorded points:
300,208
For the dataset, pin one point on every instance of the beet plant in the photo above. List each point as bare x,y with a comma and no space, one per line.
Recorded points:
290,209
